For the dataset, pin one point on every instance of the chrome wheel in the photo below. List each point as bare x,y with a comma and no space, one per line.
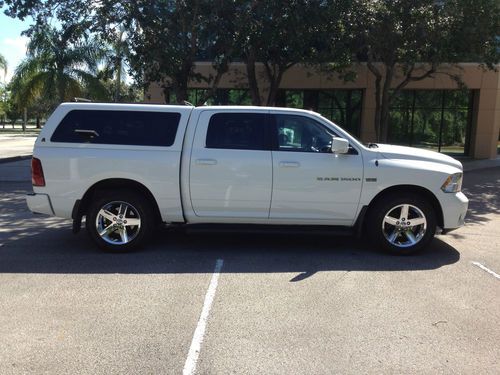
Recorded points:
118,223
404,225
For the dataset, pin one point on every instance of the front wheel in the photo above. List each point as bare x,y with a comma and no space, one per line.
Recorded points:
402,224
119,222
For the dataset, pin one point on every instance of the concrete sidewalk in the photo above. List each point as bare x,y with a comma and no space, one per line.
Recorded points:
16,146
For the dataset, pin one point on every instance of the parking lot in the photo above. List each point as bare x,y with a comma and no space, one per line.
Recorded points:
252,304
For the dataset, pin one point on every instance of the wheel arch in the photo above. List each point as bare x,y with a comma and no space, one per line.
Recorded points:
82,205
414,189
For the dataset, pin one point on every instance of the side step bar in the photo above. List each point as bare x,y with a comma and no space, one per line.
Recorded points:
275,229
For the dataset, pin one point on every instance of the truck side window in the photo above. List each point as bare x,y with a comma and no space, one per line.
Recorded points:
302,134
240,131
137,128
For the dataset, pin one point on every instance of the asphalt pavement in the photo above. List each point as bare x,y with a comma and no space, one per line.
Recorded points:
282,304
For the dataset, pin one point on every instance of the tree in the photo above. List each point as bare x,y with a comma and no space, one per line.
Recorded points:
12,111
420,39
115,57
167,37
282,34
4,96
3,64
57,68
164,38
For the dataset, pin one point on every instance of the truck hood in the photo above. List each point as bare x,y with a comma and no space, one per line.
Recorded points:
411,153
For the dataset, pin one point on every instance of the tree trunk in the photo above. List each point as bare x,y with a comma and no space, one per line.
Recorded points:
181,93
118,82
61,86
383,97
25,119
252,78
274,84
181,80
221,70
378,94
385,103
38,122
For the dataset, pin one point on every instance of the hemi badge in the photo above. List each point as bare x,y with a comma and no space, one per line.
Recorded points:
370,179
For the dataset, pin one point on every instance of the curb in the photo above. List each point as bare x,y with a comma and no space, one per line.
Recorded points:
14,158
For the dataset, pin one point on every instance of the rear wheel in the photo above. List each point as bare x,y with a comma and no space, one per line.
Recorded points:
403,224
119,222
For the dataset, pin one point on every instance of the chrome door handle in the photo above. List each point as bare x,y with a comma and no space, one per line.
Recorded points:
206,162
289,164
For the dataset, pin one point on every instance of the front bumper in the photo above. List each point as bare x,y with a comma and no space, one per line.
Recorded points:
454,210
39,204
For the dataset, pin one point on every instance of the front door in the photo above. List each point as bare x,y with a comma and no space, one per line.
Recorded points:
309,182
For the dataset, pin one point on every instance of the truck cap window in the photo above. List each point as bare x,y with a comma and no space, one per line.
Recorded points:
138,128
240,131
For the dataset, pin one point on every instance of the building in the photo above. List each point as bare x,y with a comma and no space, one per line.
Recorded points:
432,113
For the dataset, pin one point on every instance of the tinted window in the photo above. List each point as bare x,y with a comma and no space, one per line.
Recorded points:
118,128
299,133
242,131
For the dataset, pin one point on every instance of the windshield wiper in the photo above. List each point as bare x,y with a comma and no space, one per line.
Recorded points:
372,145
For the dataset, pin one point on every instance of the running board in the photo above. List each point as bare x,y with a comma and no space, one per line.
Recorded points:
270,228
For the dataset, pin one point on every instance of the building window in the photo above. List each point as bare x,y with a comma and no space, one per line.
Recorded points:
439,120
498,143
343,107
221,97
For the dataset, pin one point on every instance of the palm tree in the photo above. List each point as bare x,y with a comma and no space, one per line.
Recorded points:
58,69
115,63
3,64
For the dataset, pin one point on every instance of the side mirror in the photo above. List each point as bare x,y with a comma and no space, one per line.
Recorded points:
340,145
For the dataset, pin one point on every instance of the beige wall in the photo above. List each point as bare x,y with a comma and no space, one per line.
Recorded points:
486,121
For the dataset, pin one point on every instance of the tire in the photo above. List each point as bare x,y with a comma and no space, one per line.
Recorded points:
120,221
387,229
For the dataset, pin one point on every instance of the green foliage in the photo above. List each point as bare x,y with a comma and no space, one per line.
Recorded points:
281,34
166,38
162,40
392,34
3,63
57,69
3,100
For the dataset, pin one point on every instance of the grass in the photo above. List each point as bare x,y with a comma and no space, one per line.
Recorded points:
7,129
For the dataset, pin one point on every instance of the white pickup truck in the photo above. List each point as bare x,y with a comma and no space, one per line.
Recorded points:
127,168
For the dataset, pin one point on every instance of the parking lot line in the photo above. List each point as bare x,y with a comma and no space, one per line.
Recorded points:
199,333
494,274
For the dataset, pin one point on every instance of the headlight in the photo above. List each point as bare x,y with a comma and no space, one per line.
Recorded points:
453,183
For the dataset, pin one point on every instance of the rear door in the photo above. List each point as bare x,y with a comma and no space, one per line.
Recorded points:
231,165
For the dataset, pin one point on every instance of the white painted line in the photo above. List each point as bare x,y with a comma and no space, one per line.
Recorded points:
194,350
494,274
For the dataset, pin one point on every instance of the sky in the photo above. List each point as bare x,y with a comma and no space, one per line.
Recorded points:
12,44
